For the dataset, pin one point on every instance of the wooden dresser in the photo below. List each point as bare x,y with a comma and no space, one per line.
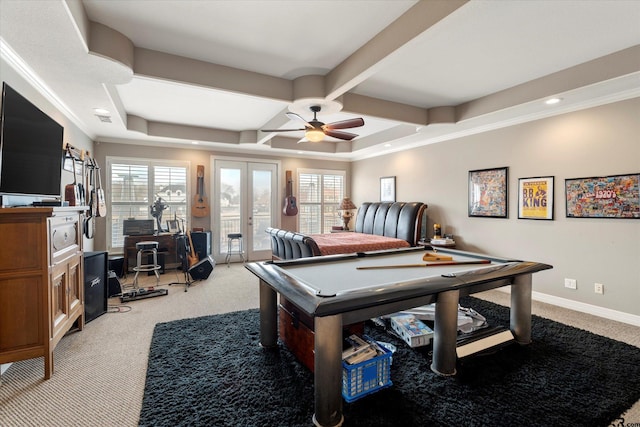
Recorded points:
41,281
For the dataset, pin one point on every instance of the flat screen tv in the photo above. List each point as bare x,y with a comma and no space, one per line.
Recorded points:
30,149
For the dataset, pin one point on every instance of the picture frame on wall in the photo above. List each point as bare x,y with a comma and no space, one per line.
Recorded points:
388,189
488,193
535,198
613,196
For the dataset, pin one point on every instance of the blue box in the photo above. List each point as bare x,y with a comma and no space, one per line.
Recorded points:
364,378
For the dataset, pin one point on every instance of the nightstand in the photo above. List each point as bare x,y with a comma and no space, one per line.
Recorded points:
449,245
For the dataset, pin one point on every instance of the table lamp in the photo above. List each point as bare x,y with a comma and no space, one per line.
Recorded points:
346,206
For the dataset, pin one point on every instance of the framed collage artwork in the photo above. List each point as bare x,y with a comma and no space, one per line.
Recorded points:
614,196
488,192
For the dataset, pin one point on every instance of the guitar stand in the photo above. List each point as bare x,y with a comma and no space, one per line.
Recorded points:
186,282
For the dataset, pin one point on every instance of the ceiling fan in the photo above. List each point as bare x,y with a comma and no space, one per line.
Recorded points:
316,130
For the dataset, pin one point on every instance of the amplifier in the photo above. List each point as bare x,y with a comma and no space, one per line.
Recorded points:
201,243
95,285
136,227
202,269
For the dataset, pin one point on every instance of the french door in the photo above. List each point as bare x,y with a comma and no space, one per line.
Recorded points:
245,200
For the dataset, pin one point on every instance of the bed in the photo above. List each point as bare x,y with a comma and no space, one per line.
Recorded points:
378,226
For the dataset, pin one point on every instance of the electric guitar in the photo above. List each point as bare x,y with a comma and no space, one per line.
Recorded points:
73,193
191,256
290,205
200,206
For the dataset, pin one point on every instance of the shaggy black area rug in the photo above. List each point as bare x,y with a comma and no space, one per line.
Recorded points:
210,371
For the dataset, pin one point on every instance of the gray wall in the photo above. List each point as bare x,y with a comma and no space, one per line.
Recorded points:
593,142
202,157
72,134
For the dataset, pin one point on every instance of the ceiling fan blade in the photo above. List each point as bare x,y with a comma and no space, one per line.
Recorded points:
294,116
282,130
345,124
339,134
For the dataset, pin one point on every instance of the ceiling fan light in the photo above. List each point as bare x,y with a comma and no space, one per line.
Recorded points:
314,135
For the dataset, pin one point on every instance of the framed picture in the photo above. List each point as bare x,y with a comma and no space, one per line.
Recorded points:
388,189
173,225
615,196
488,192
535,198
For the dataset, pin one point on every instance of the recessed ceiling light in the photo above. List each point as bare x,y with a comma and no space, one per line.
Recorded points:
195,142
387,145
552,101
101,111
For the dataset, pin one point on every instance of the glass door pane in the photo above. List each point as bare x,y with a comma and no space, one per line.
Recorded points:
230,202
246,202
263,201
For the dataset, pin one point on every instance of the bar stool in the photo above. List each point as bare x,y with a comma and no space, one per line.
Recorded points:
146,248
239,250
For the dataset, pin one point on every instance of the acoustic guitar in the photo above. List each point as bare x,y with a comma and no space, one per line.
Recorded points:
191,256
200,206
89,221
101,204
290,205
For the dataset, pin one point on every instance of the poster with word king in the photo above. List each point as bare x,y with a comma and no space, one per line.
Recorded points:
535,198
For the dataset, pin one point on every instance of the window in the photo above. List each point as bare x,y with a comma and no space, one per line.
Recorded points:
136,185
319,195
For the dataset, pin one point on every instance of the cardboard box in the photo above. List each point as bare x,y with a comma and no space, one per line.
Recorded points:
412,330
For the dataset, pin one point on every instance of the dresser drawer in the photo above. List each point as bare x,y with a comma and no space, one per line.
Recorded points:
64,237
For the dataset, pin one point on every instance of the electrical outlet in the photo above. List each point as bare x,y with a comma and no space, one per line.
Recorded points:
570,283
599,288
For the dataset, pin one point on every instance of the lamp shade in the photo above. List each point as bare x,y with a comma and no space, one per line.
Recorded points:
346,204
314,135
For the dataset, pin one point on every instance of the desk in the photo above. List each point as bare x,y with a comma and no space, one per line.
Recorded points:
333,292
166,245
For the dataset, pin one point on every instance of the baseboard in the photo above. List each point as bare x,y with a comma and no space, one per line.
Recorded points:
582,307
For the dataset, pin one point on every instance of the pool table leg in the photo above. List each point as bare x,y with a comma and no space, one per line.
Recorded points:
268,316
328,371
520,315
445,333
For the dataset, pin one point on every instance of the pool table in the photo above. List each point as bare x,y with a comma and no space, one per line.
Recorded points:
336,290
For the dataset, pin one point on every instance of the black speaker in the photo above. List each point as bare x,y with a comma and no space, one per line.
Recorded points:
201,243
115,289
116,264
202,269
95,285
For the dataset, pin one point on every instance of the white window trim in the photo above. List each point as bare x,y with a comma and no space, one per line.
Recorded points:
301,171
139,161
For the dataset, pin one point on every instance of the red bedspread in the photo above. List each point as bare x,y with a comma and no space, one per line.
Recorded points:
345,243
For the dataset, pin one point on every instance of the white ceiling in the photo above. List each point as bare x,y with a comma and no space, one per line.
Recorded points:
418,72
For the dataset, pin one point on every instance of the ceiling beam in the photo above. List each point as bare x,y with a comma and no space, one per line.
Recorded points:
364,62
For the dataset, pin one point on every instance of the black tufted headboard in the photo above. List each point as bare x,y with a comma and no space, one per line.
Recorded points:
392,219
